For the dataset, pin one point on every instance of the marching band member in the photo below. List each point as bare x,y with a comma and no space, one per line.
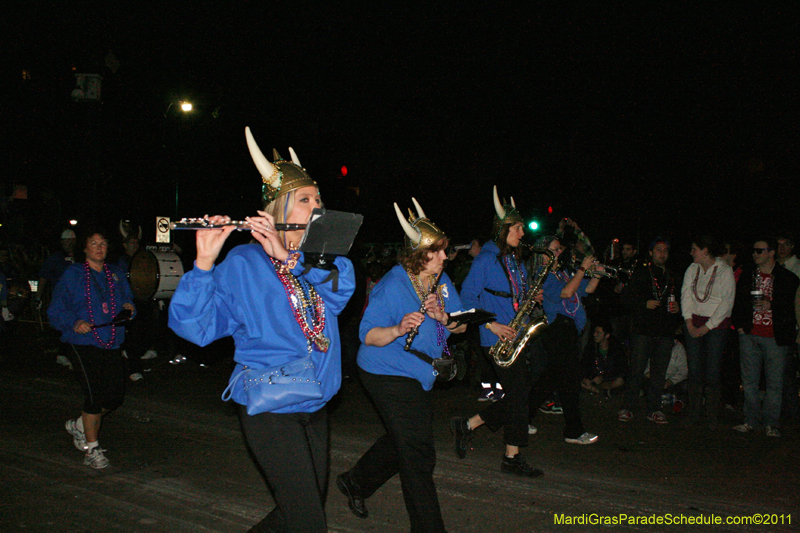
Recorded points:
498,283
89,294
400,382
566,318
277,311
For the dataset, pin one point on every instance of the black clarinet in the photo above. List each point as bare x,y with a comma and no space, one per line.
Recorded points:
413,333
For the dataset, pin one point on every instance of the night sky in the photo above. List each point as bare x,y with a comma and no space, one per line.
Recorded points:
632,120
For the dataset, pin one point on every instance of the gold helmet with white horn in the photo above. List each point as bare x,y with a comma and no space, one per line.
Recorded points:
279,177
420,232
505,213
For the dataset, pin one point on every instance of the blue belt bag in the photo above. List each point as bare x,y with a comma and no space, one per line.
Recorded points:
270,389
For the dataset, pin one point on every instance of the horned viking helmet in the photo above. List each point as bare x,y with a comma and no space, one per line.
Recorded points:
280,177
505,214
420,232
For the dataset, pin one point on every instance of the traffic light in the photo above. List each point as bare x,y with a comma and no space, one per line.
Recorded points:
533,225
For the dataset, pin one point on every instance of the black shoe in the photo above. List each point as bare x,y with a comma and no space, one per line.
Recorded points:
517,466
461,435
355,501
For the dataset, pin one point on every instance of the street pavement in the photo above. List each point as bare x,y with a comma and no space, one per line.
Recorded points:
179,463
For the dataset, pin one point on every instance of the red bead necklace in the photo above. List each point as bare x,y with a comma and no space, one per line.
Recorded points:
299,302
87,275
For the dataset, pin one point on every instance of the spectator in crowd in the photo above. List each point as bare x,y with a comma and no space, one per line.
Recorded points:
764,316
677,371
604,361
651,298
785,254
730,368
786,257
706,303
619,312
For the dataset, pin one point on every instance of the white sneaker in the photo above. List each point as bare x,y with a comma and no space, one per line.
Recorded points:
772,431
78,436
743,428
150,354
136,376
62,360
586,438
532,429
96,459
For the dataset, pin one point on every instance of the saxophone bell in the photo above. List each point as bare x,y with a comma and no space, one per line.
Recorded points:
506,352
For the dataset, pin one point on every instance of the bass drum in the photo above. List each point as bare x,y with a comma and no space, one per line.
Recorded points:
154,274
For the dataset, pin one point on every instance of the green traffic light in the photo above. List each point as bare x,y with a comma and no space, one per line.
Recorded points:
533,225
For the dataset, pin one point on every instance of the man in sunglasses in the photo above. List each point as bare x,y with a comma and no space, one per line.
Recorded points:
764,316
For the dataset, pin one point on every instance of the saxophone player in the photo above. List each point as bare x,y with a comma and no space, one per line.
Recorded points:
498,282
566,318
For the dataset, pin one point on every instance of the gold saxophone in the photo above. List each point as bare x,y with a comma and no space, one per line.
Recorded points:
506,352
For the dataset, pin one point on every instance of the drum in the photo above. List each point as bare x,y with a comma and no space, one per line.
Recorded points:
154,274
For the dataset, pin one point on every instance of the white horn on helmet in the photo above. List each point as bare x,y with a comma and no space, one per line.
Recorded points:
414,234
498,207
420,212
268,170
295,159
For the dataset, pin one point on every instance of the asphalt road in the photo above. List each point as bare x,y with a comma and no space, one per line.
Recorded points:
179,463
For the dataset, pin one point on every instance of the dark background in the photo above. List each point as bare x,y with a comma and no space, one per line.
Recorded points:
632,120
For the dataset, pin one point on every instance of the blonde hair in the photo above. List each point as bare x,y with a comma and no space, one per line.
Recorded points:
281,209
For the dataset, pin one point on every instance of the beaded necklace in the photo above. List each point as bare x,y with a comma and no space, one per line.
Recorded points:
710,285
658,292
302,296
422,293
519,286
572,299
419,287
87,276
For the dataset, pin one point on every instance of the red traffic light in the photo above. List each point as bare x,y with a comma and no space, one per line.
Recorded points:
344,170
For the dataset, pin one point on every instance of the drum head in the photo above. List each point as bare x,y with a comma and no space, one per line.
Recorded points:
143,275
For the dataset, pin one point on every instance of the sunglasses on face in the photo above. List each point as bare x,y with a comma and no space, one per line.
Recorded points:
759,251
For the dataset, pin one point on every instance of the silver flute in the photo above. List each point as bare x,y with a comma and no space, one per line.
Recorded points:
413,333
241,225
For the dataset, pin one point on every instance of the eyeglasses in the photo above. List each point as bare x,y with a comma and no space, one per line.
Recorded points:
759,251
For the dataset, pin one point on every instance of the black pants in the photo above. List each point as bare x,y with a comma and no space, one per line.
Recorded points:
562,374
658,351
101,374
292,452
407,448
511,412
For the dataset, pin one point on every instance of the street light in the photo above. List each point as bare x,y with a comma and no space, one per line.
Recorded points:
186,107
